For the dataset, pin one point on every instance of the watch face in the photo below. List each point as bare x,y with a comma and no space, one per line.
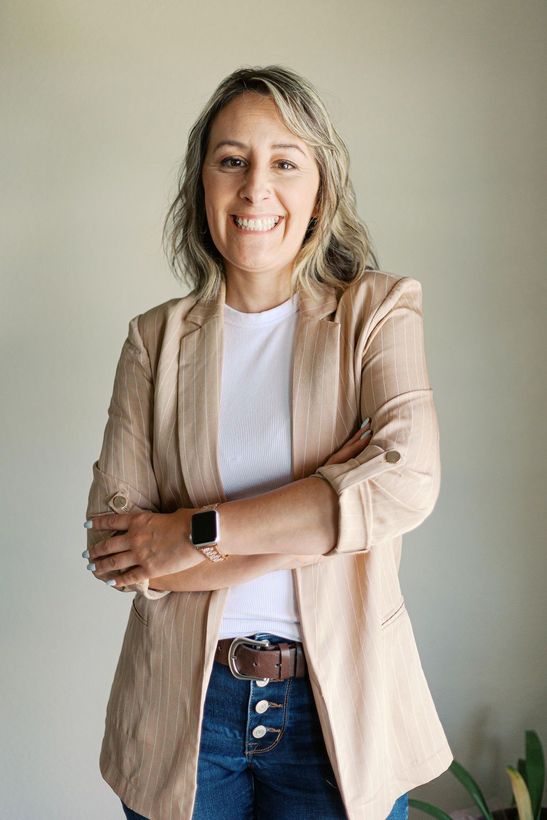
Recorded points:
204,528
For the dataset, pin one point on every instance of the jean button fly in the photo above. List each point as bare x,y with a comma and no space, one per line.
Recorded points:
262,682
259,731
262,706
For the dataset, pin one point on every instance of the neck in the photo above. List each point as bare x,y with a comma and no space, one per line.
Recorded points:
253,294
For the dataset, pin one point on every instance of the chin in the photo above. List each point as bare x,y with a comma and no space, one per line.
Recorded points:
253,265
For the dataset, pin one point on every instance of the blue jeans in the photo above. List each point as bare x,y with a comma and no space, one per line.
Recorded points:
282,771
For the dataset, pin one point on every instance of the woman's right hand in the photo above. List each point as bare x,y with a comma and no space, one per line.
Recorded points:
353,445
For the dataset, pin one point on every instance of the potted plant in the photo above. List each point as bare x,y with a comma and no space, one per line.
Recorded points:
527,784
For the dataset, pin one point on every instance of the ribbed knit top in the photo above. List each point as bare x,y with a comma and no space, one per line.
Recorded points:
255,449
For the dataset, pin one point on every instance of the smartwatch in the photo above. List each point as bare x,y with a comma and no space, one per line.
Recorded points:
205,532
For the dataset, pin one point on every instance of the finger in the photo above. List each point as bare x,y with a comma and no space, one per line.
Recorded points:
361,441
113,585
119,562
111,579
115,544
358,433
109,521
135,575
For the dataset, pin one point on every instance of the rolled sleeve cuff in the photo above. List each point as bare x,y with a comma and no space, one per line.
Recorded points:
350,480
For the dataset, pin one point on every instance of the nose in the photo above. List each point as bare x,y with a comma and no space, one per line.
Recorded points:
256,185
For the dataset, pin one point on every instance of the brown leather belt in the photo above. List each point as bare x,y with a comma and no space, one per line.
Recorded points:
250,659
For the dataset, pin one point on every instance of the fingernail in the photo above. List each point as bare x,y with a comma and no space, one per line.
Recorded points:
85,554
111,582
88,524
366,433
91,567
366,421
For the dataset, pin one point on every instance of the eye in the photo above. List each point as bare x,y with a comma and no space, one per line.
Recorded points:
227,160
230,162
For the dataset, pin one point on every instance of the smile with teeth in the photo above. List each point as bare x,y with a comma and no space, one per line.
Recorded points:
258,225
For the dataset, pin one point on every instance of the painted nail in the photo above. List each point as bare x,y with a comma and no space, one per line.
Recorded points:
366,421
88,524
85,554
111,582
91,567
366,433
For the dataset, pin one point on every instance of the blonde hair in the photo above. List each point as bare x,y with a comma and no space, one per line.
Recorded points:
336,246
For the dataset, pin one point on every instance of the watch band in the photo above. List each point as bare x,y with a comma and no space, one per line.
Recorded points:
211,551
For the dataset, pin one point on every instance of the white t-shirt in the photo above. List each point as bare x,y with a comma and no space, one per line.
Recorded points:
255,449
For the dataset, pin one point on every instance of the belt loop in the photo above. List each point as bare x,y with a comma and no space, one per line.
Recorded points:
285,660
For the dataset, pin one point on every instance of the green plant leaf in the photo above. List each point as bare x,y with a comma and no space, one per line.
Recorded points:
521,766
470,784
427,808
522,796
535,771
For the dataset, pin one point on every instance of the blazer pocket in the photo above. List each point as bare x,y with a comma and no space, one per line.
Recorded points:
137,612
392,616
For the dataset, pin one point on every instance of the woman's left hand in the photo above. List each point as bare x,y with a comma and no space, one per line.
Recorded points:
147,545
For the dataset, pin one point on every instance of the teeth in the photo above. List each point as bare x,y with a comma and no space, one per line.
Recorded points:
257,224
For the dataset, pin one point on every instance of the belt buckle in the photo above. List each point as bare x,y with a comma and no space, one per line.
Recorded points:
231,656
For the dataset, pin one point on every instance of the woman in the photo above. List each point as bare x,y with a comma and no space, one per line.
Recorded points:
244,500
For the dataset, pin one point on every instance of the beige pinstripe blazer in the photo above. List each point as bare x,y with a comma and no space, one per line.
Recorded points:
361,354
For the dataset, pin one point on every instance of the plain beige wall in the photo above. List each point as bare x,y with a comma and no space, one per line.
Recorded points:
442,106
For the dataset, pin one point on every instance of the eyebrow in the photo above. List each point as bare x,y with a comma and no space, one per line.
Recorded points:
242,145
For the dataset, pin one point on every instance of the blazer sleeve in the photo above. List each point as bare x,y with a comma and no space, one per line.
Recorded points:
393,484
123,476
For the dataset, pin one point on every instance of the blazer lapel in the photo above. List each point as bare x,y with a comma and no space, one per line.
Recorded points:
199,383
314,391
315,379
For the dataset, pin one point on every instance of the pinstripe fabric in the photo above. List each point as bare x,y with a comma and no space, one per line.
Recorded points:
356,355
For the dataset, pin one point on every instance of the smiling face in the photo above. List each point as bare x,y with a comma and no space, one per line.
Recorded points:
256,169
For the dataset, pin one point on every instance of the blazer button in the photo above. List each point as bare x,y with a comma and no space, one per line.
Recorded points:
120,502
393,456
